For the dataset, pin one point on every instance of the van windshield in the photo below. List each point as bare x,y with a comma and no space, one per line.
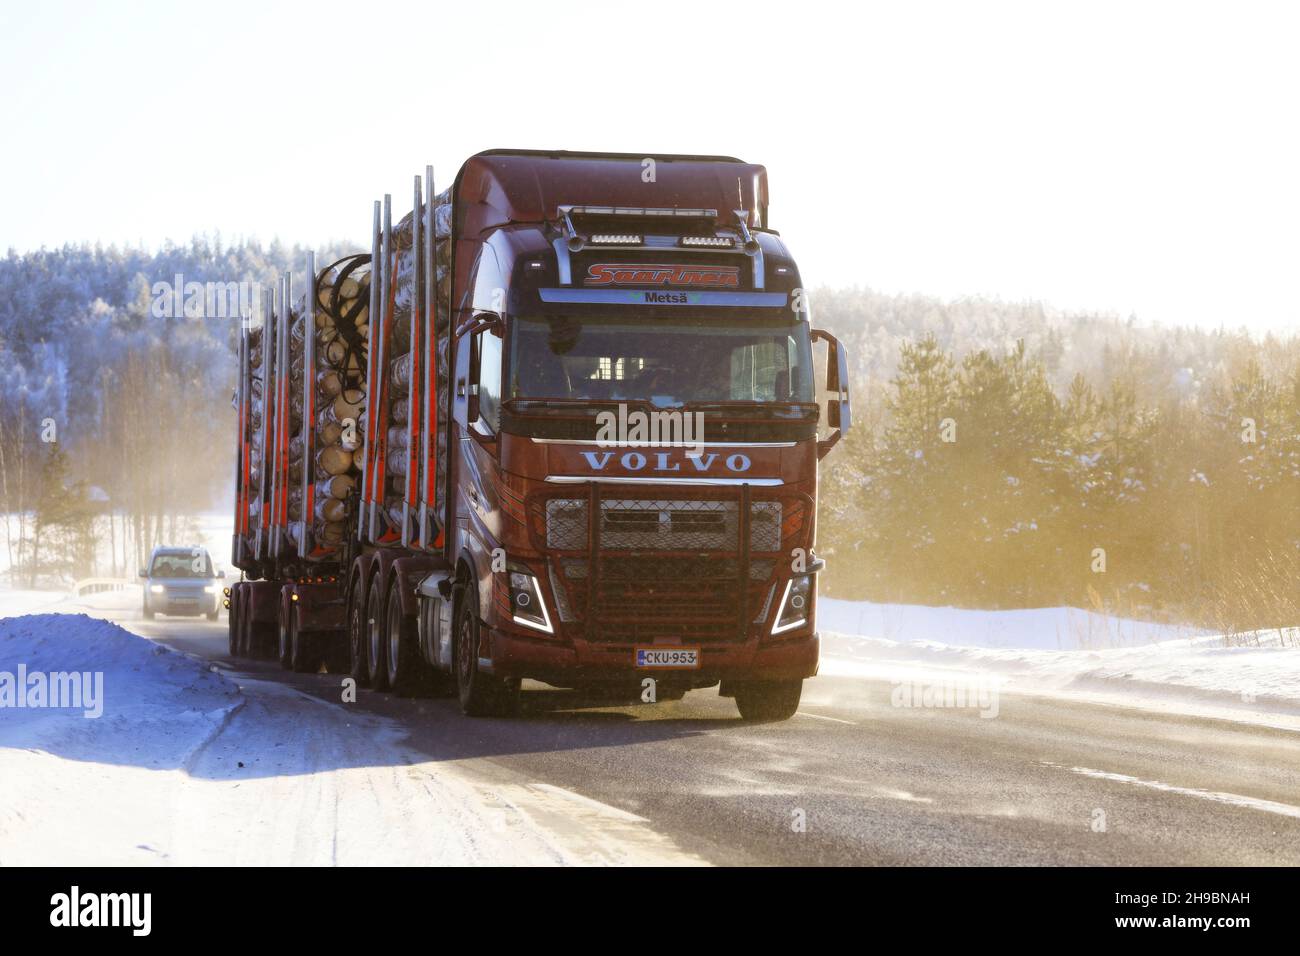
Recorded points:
181,564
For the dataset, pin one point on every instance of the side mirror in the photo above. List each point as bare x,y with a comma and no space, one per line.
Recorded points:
471,408
839,408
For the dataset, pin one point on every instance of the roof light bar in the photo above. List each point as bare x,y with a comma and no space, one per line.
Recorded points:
615,239
709,242
669,211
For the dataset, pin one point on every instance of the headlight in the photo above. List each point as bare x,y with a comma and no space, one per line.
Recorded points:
210,589
526,602
793,610
156,589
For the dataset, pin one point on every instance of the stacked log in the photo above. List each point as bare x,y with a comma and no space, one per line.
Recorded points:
342,332
400,367
256,411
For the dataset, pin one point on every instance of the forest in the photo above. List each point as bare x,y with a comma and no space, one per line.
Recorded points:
1004,454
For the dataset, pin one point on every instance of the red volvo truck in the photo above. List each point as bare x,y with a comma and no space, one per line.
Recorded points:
587,452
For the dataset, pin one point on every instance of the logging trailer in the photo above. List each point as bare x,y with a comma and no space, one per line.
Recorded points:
444,478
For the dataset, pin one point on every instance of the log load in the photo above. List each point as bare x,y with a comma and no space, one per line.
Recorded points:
341,328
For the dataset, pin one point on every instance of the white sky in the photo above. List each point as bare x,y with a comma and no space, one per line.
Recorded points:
1135,157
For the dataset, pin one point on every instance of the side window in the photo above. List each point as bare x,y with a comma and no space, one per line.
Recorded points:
489,380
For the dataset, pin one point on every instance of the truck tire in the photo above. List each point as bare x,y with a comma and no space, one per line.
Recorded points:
403,653
232,623
376,637
284,640
481,695
246,629
212,615
763,701
357,632
304,658
148,614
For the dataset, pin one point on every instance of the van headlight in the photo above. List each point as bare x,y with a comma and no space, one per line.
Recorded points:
526,604
793,610
156,589
210,589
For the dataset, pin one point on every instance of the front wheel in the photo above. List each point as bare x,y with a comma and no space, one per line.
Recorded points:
481,694
768,700
148,614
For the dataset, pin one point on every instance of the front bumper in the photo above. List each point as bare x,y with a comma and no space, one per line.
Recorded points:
564,664
182,605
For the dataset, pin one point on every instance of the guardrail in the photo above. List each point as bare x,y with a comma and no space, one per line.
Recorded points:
99,585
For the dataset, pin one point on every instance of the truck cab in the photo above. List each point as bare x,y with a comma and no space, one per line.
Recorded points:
634,404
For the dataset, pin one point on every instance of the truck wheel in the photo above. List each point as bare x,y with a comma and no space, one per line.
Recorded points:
148,614
376,638
232,623
768,700
357,633
212,615
303,656
481,695
284,641
403,660
246,630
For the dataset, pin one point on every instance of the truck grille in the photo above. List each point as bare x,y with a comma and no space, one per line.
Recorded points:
661,524
640,599
667,567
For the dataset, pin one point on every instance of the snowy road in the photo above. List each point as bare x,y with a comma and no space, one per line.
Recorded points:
851,779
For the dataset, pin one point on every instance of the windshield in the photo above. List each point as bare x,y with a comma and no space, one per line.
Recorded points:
181,565
668,361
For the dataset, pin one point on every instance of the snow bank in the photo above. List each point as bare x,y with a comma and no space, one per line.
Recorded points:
1056,628
157,704
1069,652
116,604
192,765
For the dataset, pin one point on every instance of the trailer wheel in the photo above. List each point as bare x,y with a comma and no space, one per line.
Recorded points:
768,700
481,695
357,632
376,637
404,660
284,640
246,630
232,623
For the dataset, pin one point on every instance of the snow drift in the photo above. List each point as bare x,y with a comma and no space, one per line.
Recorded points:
1070,652
189,764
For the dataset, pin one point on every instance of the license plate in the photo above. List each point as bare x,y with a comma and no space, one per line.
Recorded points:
669,657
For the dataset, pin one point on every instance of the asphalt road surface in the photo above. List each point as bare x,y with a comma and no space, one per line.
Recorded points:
853,780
